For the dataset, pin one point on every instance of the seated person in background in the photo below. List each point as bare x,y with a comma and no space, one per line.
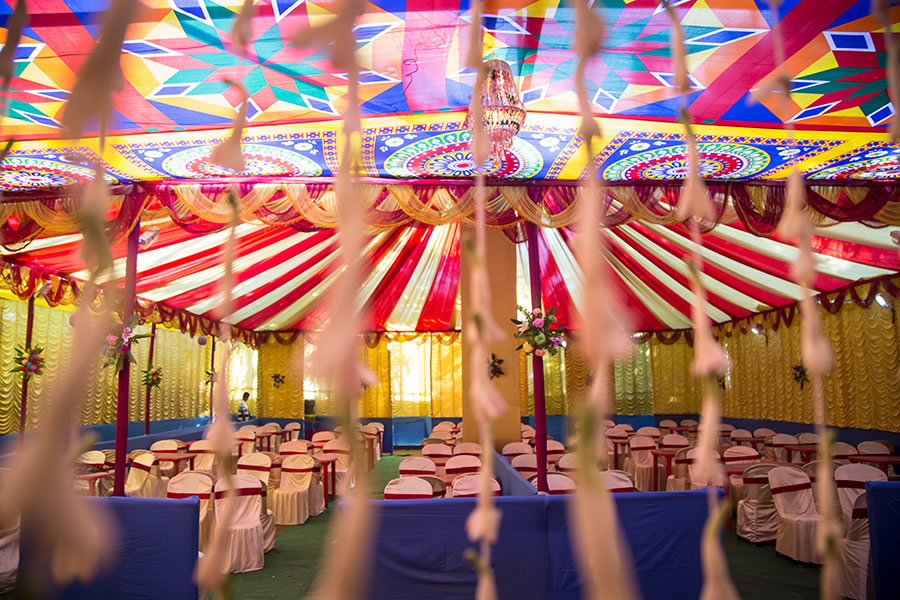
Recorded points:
243,411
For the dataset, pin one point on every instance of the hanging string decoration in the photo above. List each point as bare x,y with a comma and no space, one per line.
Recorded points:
28,362
538,331
152,377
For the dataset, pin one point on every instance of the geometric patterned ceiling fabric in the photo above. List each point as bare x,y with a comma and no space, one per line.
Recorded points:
283,277
414,90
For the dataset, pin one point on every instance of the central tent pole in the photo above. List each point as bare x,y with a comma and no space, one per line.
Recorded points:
212,383
537,363
23,407
129,295
149,364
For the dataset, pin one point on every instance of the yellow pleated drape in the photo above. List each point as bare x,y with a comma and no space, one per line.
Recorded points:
243,376
286,400
181,394
375,401
674,388
633,383
446,375
862,390
554,384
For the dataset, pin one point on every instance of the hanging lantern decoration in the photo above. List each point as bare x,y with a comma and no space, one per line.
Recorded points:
504,113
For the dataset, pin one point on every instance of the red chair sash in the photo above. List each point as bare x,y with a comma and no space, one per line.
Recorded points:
621,490
334,451
859,513
415,472
262,468
462,470
182,495
472,495
408,496
792,488
731,459
561,492
849,483
755,480
240,492
137,465
636,448
298,470
292,453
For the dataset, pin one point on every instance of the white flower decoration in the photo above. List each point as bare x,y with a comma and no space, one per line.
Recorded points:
876,153
303,146
789,152
639,146
393,142
153,154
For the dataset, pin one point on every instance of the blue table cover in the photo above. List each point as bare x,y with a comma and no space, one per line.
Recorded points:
883,499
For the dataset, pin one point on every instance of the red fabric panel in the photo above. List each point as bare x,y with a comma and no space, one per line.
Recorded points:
437,314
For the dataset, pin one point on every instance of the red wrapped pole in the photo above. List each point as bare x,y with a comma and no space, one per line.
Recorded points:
212,383
129,296
149,364
537,363
23,407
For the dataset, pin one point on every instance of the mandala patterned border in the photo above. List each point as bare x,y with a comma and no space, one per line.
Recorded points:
117,174
845,158
625,136
329,146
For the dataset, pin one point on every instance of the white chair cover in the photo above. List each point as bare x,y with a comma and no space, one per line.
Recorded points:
558,483
413,466
810,469
666,425
467,449
554,451
244,537
341,449
296,447
371,431
856,566
516,449
527,433
143,478
446,436
9,545
639,461
91,461
166,468
757,518
460,465
439,454
674,440
320,438
651,432
841,451
268,442
205,460
740,434
850,481
678,480
568,464
609,423
408,488
763,432
438,487
688,422
467,486
617,481
260,466
194,483
246,442
380,428
798,519
525,464
725,430
444,426
291,501
295,429
775,448
877,448
738,455
697,481
808,438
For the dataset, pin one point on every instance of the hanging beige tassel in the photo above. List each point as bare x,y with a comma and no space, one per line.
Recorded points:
101,76
679,51
228,153
15,23
242,28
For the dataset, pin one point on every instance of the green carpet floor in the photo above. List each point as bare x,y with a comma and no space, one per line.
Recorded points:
291,567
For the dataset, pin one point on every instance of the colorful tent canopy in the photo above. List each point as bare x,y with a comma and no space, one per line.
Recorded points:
175,103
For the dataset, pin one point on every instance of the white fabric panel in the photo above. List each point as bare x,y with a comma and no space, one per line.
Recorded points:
661,309
405,315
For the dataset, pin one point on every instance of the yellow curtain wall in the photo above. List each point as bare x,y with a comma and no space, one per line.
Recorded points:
417,375
184,363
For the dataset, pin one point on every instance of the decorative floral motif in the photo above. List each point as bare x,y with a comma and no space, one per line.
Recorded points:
29,362
277,379
211,377
117,350
495,369
799,374
152,376
538,333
